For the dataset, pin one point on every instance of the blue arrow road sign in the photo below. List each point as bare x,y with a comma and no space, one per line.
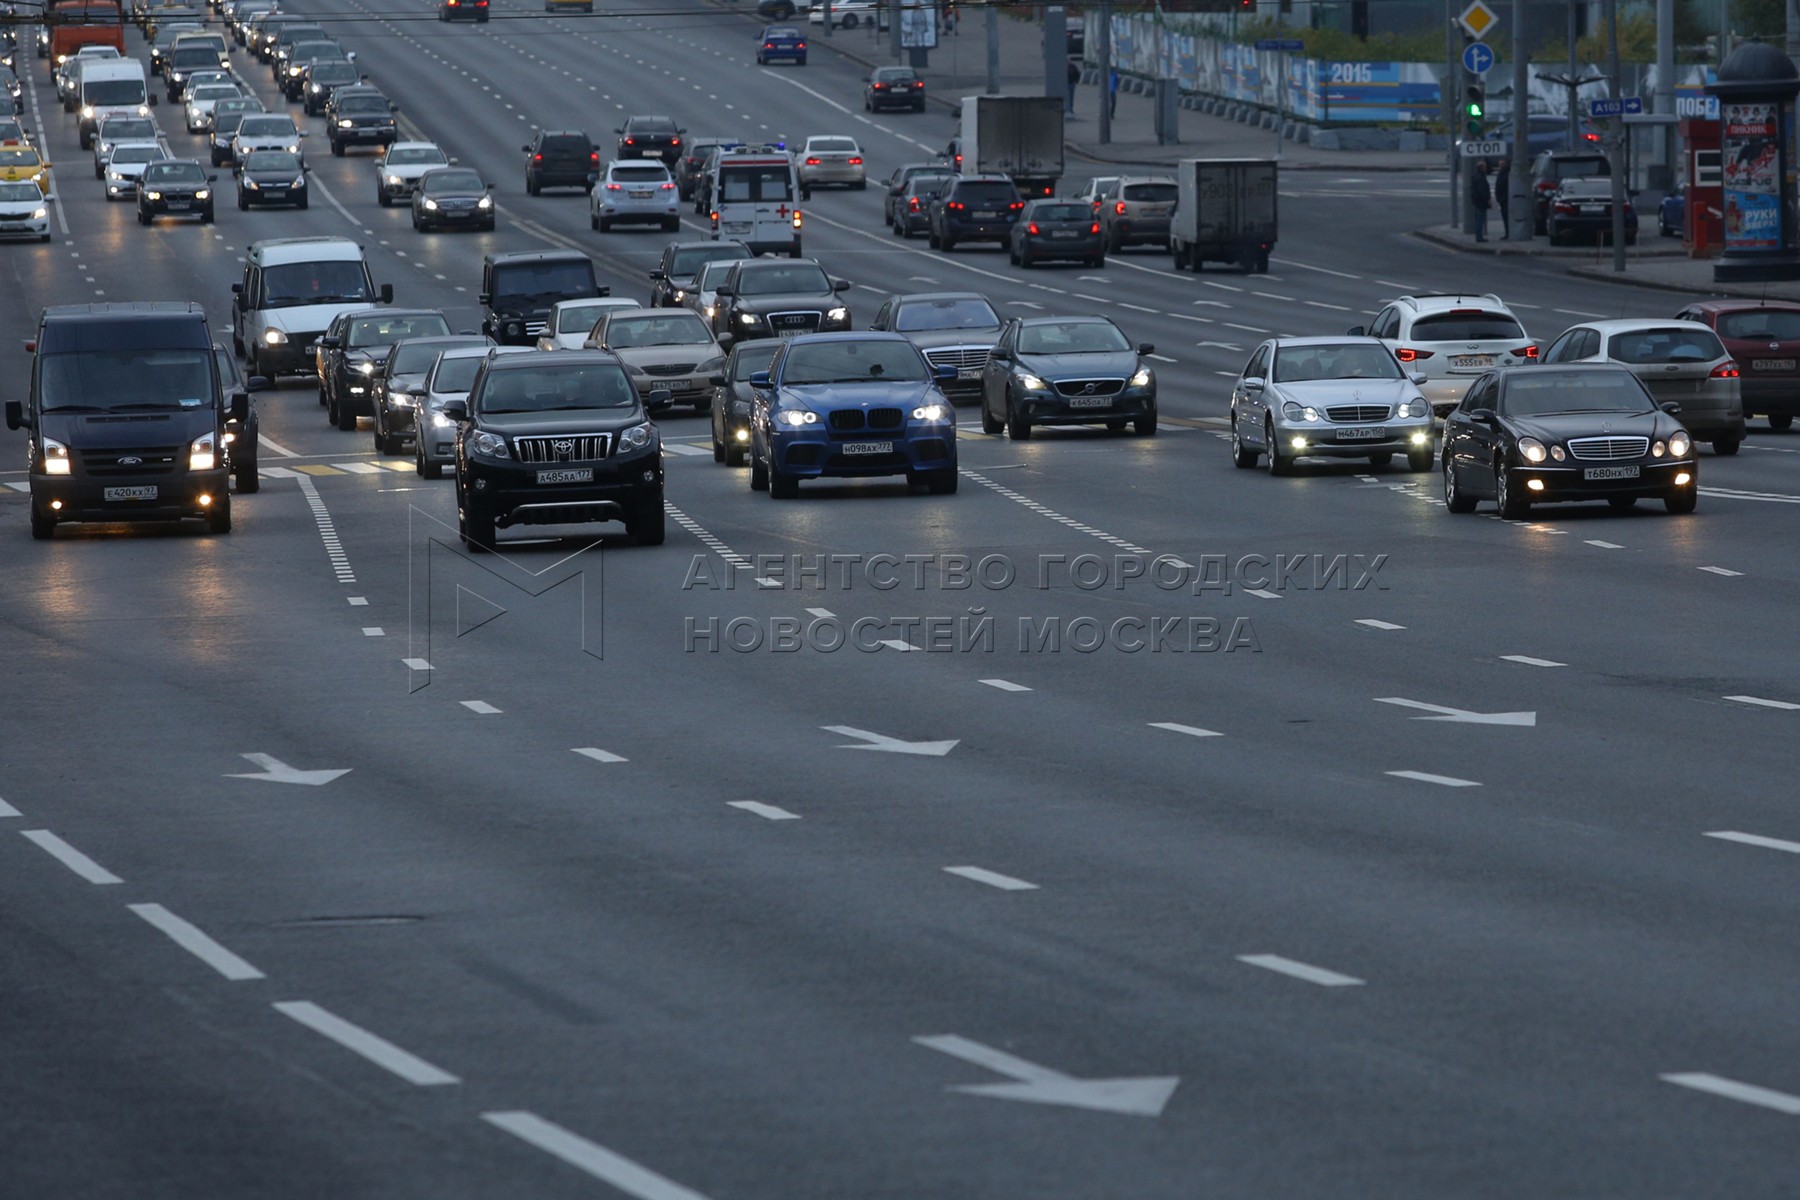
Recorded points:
1291,45
1622,106
1478,58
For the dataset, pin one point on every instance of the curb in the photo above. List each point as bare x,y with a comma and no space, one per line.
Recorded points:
1707,288
1501,248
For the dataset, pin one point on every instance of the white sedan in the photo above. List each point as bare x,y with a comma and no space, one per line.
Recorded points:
125,165
571,321
397,171
200,101
846,14
830,160
24,211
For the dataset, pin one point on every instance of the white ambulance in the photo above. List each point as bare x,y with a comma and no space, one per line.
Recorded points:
755,200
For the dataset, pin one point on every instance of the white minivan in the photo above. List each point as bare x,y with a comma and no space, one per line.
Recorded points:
755,200
109,87
291,290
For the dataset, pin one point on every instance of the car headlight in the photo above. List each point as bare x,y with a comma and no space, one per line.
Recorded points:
637,437
514,329
797,416
710,310
143,110
1680,444
931,412
680,295
299,182
344,123
1532,450
485,202
365,368
430,206
201,456
252,184
440,421
153,195
711,366
748,318
38,214
274,337
840,313
203,194
56,457
1142,378
1299,412
1031,383
1557,453
490,444
393,181
296,70
1415,409
87,112
294,149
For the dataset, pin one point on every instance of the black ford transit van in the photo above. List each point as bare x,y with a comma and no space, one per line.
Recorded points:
127,417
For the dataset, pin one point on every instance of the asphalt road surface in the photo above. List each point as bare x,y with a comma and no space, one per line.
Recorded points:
1436,857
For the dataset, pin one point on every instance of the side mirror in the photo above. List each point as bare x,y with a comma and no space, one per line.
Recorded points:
237,289
1357,331
350,57
759,379
15,415
1146,348
305,133
258,383
456,410
1253,386
945,371
593,178
603,290
485,299
329,343
1420,378
659,276
306,168
840,285
240,407
526,149
1670,407
660,399
1485,416
724,292
716,380
387,293
453,162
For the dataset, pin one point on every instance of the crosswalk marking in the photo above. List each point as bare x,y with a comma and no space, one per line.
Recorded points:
678,448
317,469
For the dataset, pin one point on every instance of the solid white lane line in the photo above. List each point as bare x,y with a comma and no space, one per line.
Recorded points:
1751,839
1762,703
1604,545
1190,730
599,755
590,1157
1731,1089
70,857
358,1040
1722,571
7,810
480,706
1300,970
767,811
1005,883
1005,685
190,938
1372,623
1443,780
1529,661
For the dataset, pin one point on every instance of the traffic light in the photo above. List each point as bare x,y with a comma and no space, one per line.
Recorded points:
1472,111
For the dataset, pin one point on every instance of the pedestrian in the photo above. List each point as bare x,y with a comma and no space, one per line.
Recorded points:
1112,103
1503,197
1074,82
1481,197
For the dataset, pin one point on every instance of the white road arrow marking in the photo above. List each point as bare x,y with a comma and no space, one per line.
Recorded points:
276,771
878,741
1143,1096
1460,715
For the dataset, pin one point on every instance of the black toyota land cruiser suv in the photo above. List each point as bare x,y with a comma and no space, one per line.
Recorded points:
127,416
517,291
556,438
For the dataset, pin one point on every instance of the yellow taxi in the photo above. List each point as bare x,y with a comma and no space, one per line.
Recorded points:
24,163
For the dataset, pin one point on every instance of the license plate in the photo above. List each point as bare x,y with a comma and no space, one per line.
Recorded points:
868,447
1771,364
1593,210
1610,473
273,194
1090,401
638,195
737,226
147,492
178,206
1465,361
567,475
1361,435
985,216
1065,233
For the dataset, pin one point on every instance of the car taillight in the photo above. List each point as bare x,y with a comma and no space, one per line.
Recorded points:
813,162
954,206
1592,137
878,86
674,141
1032,229
1094,228
918,83
856,162
535,157
768,45
667,187
913,204
1408,354
593,156
1725,370
1564,206
801,46
631,141
796,218
1526,352
1016,205
1119,208
613,187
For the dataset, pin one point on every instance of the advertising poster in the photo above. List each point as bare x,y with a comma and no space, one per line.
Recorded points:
1750,141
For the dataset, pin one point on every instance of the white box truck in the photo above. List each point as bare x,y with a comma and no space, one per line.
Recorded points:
1017,136
1225,213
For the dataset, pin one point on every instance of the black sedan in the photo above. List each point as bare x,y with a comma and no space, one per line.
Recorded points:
764,297
268,177
1067,371
650,137
453,197
952,329
1581,212
175,188
732,398
1524,435
1057,229
894,87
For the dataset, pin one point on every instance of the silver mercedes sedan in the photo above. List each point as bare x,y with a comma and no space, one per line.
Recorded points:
1328,397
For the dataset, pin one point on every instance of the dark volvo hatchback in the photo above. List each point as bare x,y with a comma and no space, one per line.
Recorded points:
127,417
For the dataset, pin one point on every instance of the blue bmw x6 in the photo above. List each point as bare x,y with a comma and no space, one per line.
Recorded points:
849,405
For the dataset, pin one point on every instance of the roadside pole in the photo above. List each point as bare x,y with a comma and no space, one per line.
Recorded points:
1615,137
1106,66
1281,102
1449,92
993,50
1519,207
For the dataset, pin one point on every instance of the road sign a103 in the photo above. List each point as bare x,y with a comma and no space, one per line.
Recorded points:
1478,58
1616,107
1477,19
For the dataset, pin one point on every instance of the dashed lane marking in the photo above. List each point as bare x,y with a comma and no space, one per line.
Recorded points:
766,811
1440,780
1372,623
1752,839
196,943
1005,685
1529,661
1005,883
599,755
1190,730
1760,702
1731,1089
69,856
1300,970
360,1041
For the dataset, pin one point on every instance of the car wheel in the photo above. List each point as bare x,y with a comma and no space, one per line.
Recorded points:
759,474
143,216
337,149
476,524
672,225
531,186
1117,426
605,225
243,204
1145,426
651,526
206,218
1279,464
990,424
1420,459
1454,500
346,418
1380,460
1682,501
43,524
1018,426
593,221
946,243
718,447
1621,503
1662,226
1781,422
782,486
218,517
1512,508
383,199
1242,456
1725,447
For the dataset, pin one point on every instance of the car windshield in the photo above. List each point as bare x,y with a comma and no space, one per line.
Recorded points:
639,174
127,128
174,172
894,74
193,56
411,156
17,193
1575,168
137,154
257,125
1761,324
853,362
273,161
1466,327
752,357
781,31
1342,360
362,104
806,278
712,274
992,195
566,144
114,91
334,281
120,380
1152,193
215,92
690,259
441,181
657,125
1062,212
831,146
550,388
581,318
1072,337
1674,345
1539,393
18,158
532,281
385,330
968,312
667,329
334,72
456,374
414,358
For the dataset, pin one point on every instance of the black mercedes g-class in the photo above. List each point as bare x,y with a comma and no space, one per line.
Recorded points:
517,291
